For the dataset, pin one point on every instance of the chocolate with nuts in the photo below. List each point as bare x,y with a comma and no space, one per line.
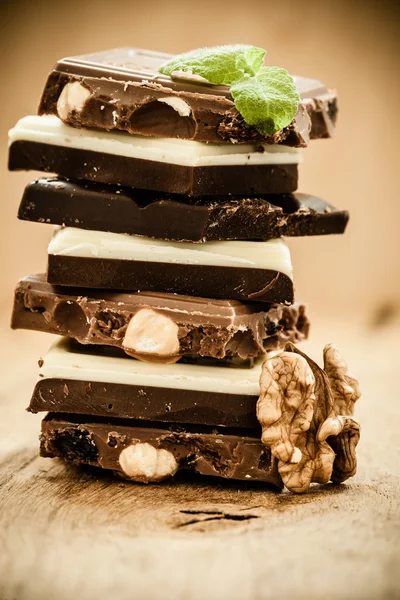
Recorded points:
121,89
157,326
152,454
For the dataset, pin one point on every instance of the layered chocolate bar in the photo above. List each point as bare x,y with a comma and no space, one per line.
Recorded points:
102,381
256,271
168,165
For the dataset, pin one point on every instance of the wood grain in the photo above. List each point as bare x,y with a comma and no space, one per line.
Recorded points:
67,531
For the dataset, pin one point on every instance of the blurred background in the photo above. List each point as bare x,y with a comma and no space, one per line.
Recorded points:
350,45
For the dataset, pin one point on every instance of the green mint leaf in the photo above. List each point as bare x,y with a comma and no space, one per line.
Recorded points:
251,60
268,100
222,65
266,97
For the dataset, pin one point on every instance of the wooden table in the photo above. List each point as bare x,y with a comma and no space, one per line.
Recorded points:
79,533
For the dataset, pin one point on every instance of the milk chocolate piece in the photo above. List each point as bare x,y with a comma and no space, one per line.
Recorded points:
245,284
204,327
174,217
121,89
207,451
212,180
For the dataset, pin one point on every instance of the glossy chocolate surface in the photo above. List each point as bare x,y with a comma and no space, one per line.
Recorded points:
207,451
205,327
126,92
236,283
213,180
175,217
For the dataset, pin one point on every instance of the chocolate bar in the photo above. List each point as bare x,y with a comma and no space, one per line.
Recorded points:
102,381
175,217
259,271
121,89
166,165
151,454
156,326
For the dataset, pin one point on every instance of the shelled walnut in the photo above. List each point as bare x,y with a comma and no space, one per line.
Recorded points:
306,414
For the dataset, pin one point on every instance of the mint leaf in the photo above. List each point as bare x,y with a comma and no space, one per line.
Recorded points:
222,65
268,100
251,60
266,97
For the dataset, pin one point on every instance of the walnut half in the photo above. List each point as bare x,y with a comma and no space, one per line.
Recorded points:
306,414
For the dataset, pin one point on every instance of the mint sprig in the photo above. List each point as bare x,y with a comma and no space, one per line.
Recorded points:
222,65
266,97
269,100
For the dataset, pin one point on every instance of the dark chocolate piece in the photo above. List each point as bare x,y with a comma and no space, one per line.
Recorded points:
207,281
173,217
125,92
152,175
208,451
205,327
146,403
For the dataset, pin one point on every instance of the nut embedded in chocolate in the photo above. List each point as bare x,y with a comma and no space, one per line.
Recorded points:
179,325
178,104
72,99
145,464
150,333
127,93
146,453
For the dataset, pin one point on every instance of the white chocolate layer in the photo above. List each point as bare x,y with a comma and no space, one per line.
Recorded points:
62,363
70,241
48,129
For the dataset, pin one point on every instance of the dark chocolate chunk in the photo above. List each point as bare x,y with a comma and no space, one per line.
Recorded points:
204,327
213,180
133,451
76,445
237,283
122,90
174,217
146,403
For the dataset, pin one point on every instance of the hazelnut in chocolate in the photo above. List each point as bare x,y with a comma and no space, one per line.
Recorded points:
156,326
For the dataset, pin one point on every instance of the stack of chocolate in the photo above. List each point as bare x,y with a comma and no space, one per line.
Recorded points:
168,276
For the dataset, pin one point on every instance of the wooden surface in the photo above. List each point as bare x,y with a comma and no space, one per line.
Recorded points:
79,533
